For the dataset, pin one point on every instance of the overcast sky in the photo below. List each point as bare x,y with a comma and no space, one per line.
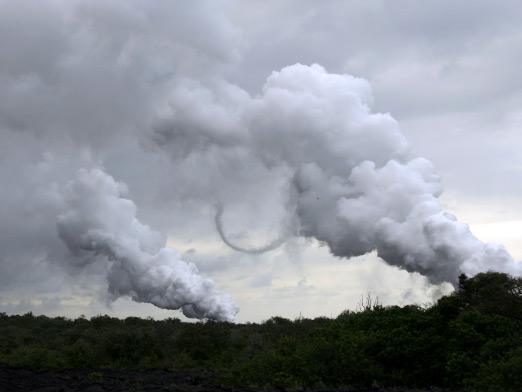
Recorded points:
135,87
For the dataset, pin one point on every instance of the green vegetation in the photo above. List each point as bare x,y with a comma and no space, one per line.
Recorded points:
470,340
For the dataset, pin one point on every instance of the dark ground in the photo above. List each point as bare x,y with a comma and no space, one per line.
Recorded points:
88,380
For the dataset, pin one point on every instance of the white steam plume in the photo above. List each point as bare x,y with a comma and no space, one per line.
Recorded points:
100,225
94,81
356,185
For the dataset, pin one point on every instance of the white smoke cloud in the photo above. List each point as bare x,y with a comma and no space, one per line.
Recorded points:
100,225
131,86
357,186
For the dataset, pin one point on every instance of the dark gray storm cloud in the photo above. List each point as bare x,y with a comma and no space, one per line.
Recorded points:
209,103
442,56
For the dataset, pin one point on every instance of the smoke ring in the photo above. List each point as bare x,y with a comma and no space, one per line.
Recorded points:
272,245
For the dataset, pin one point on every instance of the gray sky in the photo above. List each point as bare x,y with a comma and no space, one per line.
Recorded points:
136,87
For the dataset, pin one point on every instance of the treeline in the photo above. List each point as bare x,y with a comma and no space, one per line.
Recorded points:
470,340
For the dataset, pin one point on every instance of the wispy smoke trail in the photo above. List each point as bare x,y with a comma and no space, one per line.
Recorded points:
99,225
272,245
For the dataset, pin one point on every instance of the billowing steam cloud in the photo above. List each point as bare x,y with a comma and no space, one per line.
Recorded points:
100,225
356,185
129,86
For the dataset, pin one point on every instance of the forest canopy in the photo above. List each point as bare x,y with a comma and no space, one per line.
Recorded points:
471,340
